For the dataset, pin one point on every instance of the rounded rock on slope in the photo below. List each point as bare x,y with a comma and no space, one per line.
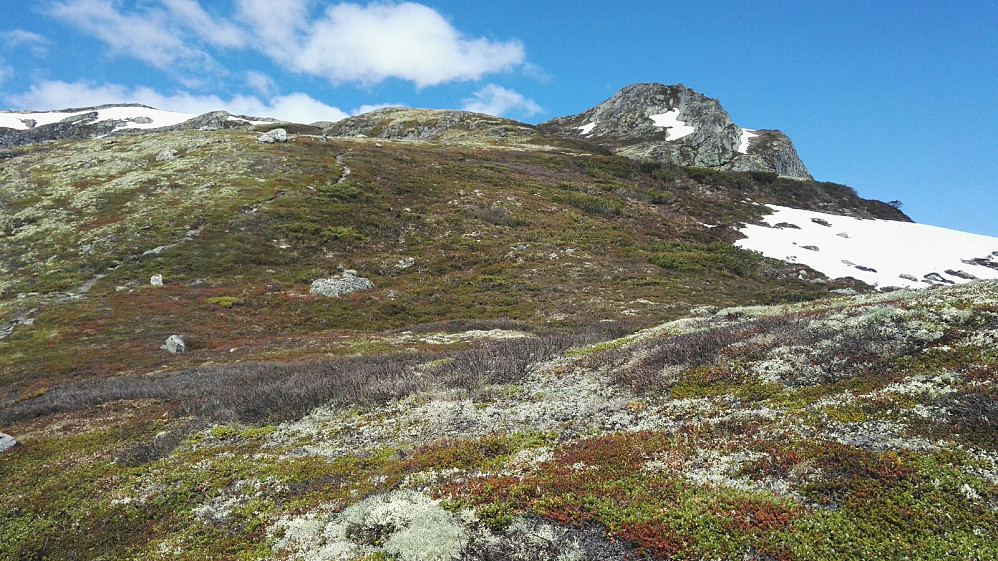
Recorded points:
276,135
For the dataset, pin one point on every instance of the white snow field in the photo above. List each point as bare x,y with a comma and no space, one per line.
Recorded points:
670,120
586,128
157,117
747,136
883,253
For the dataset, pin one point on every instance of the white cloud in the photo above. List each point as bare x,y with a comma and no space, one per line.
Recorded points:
369,44
497,100
193,16
297,107
143,36
345,43
5,72
275,24
261,83
19,37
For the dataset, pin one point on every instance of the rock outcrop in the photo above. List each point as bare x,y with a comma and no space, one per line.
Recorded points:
403,123
346,283
677,125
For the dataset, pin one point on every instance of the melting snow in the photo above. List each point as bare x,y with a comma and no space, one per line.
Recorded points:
879,252
157,117
670,120
586,129
747,136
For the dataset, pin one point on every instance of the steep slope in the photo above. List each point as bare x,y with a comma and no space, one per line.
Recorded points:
674,124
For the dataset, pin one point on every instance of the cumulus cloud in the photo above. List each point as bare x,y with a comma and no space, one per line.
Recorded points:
497,100
368,44
296,107
347,42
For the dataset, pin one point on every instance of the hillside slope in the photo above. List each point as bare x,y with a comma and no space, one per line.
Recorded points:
851,429
553,237
564,355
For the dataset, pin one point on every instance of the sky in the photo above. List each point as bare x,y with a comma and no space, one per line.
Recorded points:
896,99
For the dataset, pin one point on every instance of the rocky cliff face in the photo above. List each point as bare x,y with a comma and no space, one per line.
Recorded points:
674,124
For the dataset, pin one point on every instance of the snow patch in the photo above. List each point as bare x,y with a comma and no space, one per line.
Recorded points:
670,120
747,136
586,129
241,120
879,252
135,117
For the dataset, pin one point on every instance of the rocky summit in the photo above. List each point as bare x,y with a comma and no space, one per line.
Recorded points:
677,125
638,333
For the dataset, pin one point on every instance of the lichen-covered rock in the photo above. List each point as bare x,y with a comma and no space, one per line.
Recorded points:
156,280
175,344
276,135
6,441
338,286
168,154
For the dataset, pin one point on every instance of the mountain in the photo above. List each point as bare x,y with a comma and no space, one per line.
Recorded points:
25,127
420,334
677,125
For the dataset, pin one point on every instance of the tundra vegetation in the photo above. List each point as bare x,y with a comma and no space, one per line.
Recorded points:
563,358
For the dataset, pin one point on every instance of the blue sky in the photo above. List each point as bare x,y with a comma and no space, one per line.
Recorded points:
896,99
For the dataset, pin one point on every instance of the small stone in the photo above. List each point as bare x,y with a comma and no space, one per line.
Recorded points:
6,442
843,235
276,135
821,221
156,280
174,344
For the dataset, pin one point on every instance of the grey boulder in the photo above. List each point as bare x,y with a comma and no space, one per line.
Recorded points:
174,344
338,286
6,441
276,135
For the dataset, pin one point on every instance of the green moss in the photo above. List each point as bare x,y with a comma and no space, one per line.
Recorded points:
225,301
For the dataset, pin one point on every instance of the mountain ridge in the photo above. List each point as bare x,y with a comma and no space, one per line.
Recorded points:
699,132
623,124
